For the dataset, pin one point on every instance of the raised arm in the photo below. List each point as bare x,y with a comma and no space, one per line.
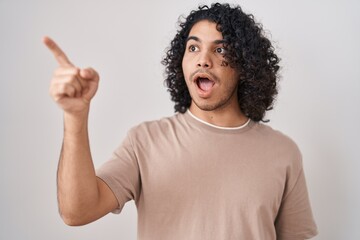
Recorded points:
82,197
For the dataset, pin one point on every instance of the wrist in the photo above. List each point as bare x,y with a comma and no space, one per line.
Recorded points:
76,122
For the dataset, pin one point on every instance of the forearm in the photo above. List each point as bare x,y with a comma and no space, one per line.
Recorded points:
76,180
82,196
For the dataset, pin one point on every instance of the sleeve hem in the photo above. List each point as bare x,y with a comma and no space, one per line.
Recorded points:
299,236
121,200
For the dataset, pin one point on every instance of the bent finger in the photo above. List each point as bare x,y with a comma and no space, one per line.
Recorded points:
63,90
72,80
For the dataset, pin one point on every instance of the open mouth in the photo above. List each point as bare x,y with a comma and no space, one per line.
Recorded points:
204,83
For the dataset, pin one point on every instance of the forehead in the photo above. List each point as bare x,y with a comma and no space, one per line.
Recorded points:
205,31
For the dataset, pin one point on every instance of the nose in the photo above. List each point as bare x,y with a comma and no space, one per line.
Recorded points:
204,60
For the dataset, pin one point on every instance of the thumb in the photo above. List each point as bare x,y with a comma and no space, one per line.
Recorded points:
88,73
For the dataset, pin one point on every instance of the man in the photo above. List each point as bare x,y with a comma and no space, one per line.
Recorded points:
212,171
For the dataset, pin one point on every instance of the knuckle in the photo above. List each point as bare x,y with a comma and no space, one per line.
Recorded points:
71,79
54,80
61,88
68,79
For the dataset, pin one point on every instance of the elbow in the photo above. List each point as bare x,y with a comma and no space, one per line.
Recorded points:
72,219
72,222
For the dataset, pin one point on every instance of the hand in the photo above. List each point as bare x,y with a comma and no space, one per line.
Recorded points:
71,88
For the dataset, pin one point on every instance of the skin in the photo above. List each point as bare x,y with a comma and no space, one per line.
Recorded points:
82,197
204,57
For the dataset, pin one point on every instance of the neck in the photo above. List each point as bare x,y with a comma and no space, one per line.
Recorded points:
232,117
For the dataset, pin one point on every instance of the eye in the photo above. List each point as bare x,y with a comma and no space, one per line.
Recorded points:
220,50
193,48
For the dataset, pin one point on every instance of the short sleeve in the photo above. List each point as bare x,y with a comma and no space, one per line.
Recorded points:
295,219
121,173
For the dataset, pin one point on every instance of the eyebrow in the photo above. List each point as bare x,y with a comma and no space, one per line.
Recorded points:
198,40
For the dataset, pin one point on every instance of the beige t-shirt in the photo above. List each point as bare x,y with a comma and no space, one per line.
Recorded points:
192,181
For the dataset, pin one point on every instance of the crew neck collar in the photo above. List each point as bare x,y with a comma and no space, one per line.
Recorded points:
201,123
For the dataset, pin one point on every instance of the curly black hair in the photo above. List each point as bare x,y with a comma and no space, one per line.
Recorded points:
248,51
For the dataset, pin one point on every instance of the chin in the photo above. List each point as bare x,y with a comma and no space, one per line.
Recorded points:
208,106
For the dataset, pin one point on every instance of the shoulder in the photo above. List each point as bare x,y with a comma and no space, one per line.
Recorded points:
155,128
276,137
283,146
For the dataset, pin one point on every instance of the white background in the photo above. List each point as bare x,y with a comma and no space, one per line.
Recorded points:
318,103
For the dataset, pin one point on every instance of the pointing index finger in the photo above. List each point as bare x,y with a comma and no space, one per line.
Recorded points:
59,55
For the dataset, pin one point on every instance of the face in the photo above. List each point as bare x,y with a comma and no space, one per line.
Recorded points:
211,83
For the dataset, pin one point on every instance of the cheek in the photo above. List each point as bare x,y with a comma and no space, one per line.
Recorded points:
185,68
233,78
